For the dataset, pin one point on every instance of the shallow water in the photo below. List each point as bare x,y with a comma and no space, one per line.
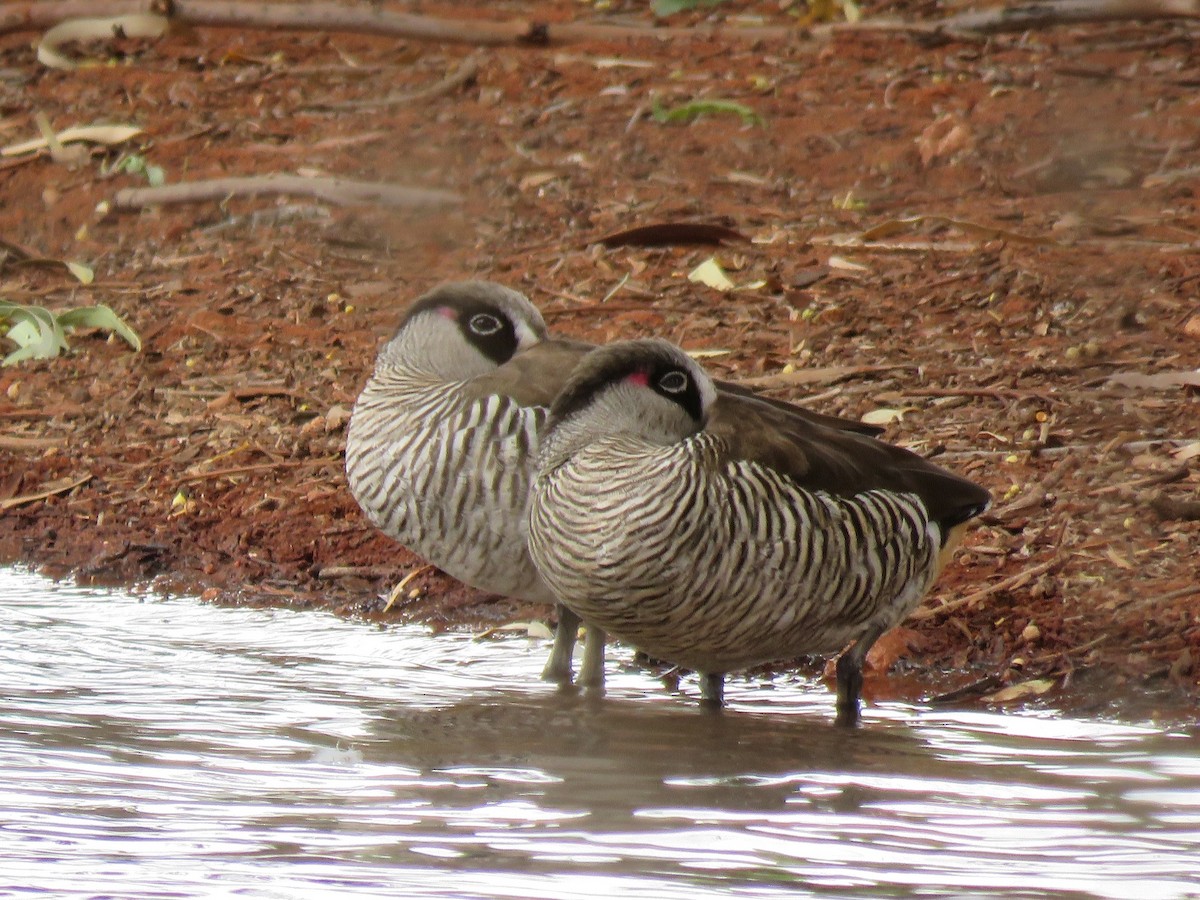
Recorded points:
166,748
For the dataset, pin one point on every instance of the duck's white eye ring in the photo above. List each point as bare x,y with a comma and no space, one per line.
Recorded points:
484,324
674,382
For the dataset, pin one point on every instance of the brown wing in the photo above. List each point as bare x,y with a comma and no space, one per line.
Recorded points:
837,422
534,377
838,461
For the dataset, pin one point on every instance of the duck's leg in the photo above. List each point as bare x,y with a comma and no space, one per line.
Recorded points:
850,679
712,690
591,674
558,666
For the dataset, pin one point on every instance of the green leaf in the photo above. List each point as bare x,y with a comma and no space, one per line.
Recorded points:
686,112
100,317
35,332
156,176
664,8
39,333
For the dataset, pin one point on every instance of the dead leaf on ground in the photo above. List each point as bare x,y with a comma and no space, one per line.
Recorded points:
92,134
711,274
1160,381
991,232
1187,451
91,29
892,646
61,486
672,234
945,136
886,415
1022,689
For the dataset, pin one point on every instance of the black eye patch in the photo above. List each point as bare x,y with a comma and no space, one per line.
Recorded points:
498,345
679,387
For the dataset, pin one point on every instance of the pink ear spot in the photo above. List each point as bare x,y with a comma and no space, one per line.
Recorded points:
639,378
446,312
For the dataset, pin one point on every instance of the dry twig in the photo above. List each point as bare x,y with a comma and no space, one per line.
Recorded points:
59,487
459,77
1013,581
329,572
333,190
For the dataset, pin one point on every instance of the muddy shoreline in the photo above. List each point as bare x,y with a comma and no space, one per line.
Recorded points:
974,244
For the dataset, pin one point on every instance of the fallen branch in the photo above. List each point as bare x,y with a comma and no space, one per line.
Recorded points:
360,19
1177,474
399,588
38,15
1102,449
254,467
1049,13
1013,581
991,393
460,76
58,487
18,442
329,572
333,190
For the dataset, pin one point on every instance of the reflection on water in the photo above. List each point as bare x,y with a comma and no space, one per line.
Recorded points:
155,748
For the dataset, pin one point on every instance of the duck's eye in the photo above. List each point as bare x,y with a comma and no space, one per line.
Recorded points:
674,382
484,324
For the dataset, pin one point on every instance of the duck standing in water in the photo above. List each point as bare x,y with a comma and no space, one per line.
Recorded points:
719,545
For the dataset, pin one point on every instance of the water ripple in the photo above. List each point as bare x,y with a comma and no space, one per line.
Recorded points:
164,748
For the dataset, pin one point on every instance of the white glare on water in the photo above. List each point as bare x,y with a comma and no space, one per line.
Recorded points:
155,748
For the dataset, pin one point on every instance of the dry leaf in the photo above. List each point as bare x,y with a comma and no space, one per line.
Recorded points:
530,629
892,646
134,26
895,226
94,134
1161,381
884,416
840,262
1192,327
537,179
1019,690
1187,451
711,274
670,234
59,486
945,136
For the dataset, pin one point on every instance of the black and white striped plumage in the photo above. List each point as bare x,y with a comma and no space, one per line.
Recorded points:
443,441
722,544
435,458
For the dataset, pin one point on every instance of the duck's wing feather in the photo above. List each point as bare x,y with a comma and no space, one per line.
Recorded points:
838,422
837,461
533,377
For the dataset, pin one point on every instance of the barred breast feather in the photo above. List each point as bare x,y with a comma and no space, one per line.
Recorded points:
447,475
730,564
721,534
